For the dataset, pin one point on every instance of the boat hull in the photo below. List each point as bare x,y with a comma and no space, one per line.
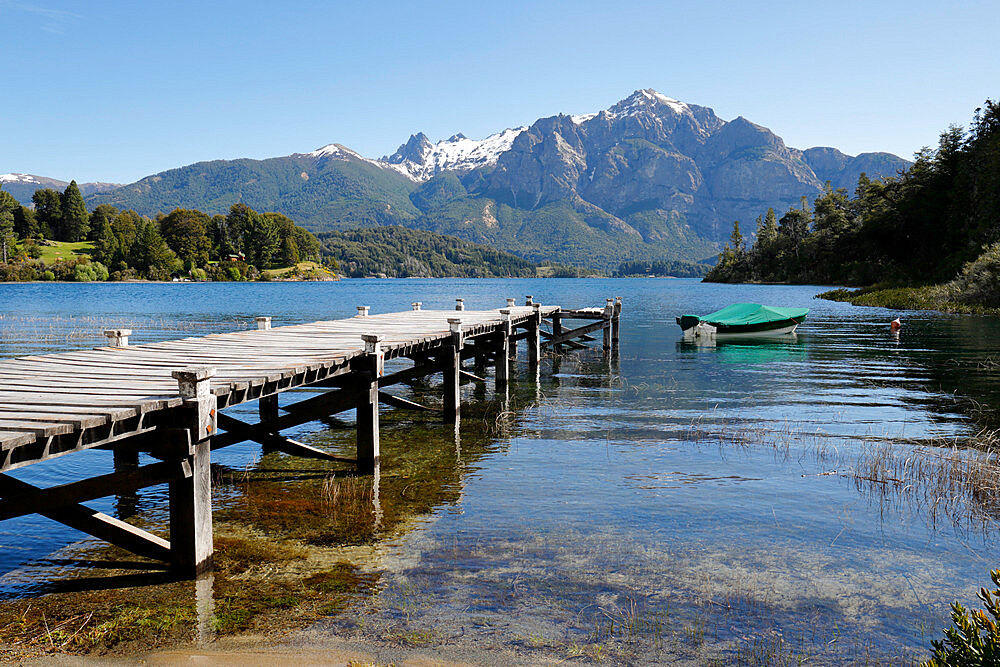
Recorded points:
778,328
786,329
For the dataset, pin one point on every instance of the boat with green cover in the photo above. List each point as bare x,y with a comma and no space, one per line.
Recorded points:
748,319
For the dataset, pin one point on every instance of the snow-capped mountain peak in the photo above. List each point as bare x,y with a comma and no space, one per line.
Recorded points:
420,159
335,151
18,178
645,100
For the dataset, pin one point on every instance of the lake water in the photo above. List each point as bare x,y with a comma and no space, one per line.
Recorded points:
708,503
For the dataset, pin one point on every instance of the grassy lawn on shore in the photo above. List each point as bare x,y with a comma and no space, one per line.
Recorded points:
307,270
65,250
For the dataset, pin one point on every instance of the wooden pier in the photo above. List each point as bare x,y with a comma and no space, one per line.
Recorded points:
166,399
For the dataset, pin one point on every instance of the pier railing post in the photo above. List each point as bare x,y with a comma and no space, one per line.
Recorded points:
451,365
535,338
263,323
368,368
191,497
117,337
459,304
502,375
609,312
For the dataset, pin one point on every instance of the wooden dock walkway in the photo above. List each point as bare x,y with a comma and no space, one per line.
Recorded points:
166,399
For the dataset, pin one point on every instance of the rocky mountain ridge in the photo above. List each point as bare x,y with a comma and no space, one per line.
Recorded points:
650,177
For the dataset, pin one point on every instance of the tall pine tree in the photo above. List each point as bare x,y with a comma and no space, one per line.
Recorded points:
48,213
8,242
75,219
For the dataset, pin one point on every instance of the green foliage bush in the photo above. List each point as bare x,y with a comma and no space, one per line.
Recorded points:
974,639
48,275
89,272
18,272
979,281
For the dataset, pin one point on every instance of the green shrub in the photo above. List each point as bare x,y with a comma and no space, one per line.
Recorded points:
33,249
48,275
979,281
84,273
975,637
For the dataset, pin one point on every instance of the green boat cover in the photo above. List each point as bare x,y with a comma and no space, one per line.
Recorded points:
752,313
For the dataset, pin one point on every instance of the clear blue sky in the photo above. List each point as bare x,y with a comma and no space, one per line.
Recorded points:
115,91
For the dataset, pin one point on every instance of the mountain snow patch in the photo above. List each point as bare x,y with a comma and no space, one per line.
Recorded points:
458,153
18,178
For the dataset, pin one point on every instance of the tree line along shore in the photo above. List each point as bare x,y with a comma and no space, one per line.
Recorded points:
928,238
58,239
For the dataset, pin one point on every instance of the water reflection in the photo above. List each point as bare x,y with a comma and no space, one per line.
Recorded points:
792,347
675,502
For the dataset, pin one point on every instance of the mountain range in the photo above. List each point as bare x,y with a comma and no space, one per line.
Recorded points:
648,178
22,186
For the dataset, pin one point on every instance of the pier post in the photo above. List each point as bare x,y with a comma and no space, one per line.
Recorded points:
363,311
267,408
459,304
514,347
616,322
556,330
535,338
529,300
502,375
368,369
451,364
191,497
609,312
416,305
117,337
126,459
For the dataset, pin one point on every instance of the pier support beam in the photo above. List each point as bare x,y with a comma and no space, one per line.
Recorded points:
451,367
191,497
368,369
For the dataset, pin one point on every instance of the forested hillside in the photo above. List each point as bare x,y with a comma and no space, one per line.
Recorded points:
398,252
123,245
936,222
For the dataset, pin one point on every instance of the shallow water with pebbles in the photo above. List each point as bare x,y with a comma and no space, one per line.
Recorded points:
678,502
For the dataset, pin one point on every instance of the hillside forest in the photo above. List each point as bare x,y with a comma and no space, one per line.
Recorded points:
57,239
934,228
123,245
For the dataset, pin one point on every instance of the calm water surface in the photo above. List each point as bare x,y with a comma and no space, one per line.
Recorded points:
705,498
